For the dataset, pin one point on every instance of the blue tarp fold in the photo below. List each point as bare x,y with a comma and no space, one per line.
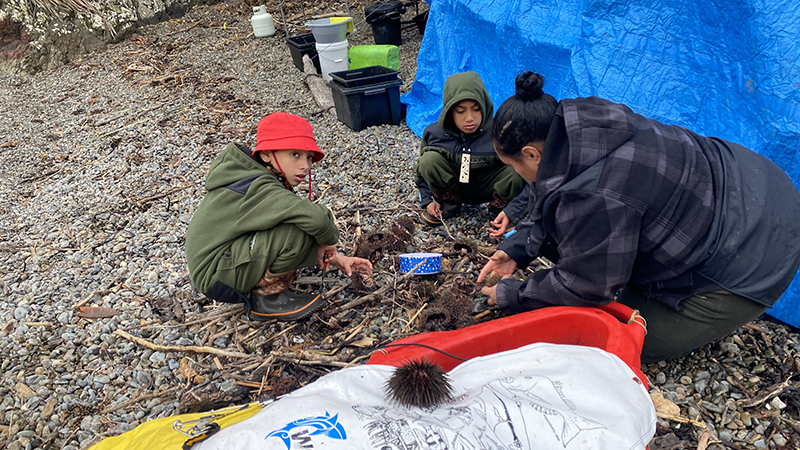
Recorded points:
720,68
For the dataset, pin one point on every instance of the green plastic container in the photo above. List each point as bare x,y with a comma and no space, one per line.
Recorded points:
374,55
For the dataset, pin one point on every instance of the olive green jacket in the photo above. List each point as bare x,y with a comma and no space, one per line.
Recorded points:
244,197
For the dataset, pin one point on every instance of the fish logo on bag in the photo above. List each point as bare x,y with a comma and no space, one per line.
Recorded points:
321,425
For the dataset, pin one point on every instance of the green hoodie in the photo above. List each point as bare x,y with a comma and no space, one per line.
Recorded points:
243,198
446,139
465,86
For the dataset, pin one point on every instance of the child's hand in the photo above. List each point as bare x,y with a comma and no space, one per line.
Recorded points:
325,253
433,209
347,263
499,225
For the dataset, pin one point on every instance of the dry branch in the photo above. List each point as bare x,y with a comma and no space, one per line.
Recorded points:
175,348
680,419
136,400
379,292
773,391
313,363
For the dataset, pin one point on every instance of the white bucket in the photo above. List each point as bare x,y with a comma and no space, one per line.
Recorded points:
332,57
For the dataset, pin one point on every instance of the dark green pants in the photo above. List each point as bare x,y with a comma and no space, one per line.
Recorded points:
279,249
704,319
439,172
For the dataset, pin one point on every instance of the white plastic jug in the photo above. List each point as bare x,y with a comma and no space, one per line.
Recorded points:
263,25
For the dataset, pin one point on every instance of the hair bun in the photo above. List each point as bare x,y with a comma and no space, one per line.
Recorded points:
529,86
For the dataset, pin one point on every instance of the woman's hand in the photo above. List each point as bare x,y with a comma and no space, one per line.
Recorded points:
491,292
347,263
499,225
499,263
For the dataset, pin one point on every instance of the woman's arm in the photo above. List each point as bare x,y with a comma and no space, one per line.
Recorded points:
597,240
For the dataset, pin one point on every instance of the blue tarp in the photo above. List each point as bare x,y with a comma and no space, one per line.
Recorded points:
721,68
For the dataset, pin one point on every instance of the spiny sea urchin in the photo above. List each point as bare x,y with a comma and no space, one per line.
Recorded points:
420,383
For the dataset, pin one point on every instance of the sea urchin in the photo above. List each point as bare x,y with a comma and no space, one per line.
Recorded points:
420,383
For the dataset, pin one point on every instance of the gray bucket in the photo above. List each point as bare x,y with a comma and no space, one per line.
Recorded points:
326,32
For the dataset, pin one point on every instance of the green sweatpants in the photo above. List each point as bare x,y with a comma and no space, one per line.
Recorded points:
440,172
704,319
279,249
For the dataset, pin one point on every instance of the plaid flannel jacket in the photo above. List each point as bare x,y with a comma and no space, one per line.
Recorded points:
622,199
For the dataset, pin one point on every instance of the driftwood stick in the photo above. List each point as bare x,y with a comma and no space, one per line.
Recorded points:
229,330
302,362
461,263
261,344
253,384
330,14
305,15
39,177
136,400
680,419
364,298
37,324
381,291
414,317
99,292
213,316
795,424
305,355
335,290
175,348
321,92
772,391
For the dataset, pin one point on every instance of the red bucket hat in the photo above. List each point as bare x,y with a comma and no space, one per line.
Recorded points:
284,131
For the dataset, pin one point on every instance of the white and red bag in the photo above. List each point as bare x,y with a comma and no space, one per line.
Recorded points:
540,396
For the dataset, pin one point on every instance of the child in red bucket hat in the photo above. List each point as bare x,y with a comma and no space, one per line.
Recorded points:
251,233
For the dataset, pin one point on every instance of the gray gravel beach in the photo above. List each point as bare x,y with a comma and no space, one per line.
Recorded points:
102,164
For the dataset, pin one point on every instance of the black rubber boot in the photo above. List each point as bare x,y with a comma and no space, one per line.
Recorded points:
285,306
450,210
430,220
447,210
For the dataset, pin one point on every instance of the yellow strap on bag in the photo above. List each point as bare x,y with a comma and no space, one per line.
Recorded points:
178,432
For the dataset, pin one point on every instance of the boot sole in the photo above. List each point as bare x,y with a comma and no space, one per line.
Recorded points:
427,219
287,316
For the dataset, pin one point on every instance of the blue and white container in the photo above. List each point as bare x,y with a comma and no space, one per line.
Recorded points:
431,263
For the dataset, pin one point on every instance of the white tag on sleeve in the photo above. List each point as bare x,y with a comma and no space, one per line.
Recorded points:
464,175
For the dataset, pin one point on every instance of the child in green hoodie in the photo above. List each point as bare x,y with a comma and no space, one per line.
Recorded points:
251,232
457,162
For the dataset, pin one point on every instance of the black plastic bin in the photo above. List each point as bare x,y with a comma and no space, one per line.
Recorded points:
365,98
365,75
303,44
385,20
